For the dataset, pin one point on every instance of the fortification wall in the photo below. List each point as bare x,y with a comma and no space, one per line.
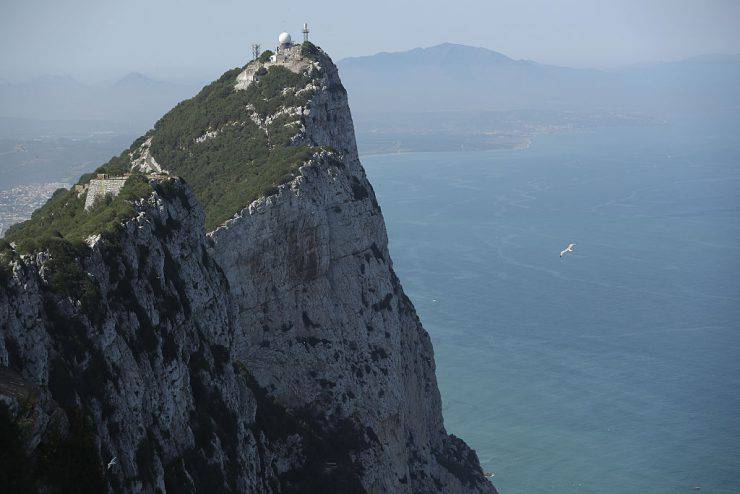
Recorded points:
99,187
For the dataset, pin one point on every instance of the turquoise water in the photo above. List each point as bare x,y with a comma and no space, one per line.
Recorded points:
616,369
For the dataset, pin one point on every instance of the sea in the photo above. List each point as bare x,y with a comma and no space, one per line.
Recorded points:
615,369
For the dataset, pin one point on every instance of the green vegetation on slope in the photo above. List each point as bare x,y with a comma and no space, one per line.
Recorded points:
309,50
7,254
60,227
265,56
242,161
227,171
64,216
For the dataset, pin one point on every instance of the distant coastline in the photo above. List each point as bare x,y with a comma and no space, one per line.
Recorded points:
481,131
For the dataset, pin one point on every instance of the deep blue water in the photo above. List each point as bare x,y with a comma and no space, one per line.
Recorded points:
616,369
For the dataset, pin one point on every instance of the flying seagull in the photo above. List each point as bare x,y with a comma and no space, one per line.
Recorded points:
112,462
567,249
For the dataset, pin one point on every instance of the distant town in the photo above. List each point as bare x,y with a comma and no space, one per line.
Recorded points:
17,203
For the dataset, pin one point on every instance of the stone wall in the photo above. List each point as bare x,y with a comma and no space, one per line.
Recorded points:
100,187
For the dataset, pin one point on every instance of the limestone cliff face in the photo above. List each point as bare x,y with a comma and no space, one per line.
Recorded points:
277,353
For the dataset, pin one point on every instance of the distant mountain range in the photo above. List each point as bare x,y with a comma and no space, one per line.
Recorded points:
450,77
442,78
138,80
135,100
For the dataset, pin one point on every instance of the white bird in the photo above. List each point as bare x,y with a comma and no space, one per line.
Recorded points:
567,249
112,462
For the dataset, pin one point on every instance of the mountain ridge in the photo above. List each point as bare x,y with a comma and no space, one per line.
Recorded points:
497,55
454,77
138,79
533,85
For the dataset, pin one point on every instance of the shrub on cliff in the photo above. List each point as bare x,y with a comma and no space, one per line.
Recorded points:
309,50
265,56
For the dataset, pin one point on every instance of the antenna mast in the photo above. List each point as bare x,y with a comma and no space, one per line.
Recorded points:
305,32
255,51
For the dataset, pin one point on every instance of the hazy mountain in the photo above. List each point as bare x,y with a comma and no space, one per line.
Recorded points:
451,77
51,81
699,84
134,101
138,80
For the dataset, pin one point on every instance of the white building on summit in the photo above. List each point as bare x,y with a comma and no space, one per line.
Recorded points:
287,54
283,50
285,40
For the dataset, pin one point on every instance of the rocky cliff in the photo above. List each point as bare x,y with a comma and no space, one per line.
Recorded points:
275,353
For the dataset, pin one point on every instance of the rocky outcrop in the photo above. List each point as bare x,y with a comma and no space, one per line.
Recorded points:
277,353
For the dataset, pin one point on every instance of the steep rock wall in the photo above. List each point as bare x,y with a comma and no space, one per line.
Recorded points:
325,322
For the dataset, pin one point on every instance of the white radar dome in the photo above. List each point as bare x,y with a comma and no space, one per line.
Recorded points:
284,38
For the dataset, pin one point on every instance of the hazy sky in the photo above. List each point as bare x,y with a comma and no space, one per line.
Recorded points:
97,39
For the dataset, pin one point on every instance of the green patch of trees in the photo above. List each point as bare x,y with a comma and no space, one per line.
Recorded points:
265,56
309,50
64,216
242,162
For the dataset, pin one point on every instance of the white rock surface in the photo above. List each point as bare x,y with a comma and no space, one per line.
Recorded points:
143,160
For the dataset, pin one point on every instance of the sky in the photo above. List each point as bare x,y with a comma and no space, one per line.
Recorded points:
93,40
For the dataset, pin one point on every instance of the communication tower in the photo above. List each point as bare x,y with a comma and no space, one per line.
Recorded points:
255,51
305,32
